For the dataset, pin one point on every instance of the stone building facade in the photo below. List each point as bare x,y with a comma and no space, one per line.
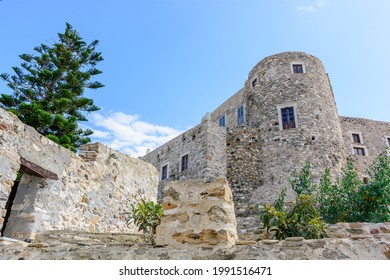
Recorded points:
283,116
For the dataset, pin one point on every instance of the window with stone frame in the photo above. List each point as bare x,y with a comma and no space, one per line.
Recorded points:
288,117
164,172
297,68
240,115
356,138
359,151
184,163
222,121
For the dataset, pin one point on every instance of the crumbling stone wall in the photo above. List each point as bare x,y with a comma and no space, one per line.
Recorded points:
197,214
61,190
205,145
373,139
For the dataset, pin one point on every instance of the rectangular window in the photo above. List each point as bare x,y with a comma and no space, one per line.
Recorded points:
359,151
388,141
356,138
288,118
240,115
297,68
184,163
222,121
164,172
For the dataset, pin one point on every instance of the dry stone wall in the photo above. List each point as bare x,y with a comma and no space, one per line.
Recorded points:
89,192
356,242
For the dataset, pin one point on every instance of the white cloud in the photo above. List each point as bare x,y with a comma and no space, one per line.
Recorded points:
313,7
129,134
309,8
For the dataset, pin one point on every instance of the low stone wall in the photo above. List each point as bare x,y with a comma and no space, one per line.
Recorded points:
60,190
71,246
197,213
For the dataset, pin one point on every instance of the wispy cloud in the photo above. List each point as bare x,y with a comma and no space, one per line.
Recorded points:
128,133
312,7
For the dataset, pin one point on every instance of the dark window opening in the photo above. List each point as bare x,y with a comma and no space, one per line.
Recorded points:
164,172
365,180
184,163
222,121
359,151
297,68
254,82
240,115
288,118
356,138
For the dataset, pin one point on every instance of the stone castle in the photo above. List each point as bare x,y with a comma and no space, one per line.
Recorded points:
283,116
210,179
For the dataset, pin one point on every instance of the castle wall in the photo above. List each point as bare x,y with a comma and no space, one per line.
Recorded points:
244,166
89,194
316,133
205,146
374,138
229,109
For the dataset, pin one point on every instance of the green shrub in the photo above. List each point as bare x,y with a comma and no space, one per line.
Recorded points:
146,215
302,220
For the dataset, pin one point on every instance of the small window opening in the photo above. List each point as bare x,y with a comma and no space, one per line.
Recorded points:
254,82
356,138
164,172
184,163
297,68
222,121
359,151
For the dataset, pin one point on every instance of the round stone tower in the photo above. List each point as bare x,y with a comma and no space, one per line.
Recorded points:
290,100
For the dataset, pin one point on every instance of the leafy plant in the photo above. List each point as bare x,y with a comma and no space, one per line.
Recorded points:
146,215
374,197
302,220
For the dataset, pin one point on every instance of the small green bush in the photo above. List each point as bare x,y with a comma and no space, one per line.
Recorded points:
146,215
302,220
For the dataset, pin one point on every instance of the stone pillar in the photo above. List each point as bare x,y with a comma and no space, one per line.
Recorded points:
197,214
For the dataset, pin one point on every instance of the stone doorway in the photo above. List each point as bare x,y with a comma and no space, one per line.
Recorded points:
19,213
9,204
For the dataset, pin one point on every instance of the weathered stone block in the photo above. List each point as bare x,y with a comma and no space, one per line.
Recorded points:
204,217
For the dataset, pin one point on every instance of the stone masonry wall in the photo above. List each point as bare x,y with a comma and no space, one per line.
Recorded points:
374,138
205,145
244,166
90,194
317,134
197,214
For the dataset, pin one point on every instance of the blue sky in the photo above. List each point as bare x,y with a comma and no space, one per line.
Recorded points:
168,62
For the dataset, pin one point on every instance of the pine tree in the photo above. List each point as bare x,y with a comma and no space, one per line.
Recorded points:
48,88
